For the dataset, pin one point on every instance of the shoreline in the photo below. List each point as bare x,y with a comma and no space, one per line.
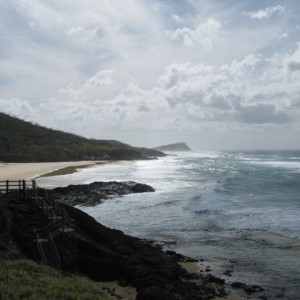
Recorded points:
64,168
13,171
28,171
202,267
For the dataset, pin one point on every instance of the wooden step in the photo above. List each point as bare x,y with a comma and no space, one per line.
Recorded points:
42,240
66,229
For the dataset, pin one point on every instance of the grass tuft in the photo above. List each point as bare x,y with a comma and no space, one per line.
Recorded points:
25,279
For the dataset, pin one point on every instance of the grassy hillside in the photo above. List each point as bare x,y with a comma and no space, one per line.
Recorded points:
22,141
25,279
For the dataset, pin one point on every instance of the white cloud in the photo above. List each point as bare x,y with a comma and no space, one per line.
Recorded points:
284,36
177,19
85,33
204,34
17,107
186,97
293,61
267,12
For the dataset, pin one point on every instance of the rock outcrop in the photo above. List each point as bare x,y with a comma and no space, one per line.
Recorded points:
94,193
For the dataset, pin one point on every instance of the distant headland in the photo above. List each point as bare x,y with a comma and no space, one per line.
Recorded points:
173,147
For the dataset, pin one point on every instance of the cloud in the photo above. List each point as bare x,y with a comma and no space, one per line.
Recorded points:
237,92
262,114
204,34
266,13
84,33
17,107
284,36
177,18
192,97
158,67
292,60
294,66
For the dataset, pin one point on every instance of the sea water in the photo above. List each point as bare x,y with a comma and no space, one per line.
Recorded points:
239,210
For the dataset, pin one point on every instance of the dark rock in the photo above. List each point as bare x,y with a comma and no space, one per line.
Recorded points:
212,278
253,289
141,188
228,272
110,255
151,293
248,289
238,285
94,193
189,259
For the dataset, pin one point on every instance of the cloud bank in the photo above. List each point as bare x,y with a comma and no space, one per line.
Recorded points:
153,73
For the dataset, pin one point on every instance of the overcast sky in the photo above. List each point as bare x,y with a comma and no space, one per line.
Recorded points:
217,74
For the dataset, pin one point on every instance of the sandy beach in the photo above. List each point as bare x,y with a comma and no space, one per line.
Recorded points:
26,171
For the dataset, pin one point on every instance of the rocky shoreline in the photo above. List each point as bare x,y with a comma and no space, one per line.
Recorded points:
211,286
96,192
105,254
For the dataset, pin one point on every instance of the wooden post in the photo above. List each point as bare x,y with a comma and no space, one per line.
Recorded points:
24,188
33,192
7,186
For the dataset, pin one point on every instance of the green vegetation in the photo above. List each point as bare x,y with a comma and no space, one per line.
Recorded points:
25,279
25,142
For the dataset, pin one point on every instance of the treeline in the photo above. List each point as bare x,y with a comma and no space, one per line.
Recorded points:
22,141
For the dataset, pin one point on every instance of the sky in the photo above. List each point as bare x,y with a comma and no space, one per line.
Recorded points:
216,74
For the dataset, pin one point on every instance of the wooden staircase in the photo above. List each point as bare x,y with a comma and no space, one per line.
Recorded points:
60,227
47,250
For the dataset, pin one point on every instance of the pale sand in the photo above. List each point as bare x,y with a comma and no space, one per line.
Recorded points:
116,291
196,267
209,267
26,171
233,296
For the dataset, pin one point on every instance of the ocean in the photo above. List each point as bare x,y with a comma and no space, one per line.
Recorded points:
240,211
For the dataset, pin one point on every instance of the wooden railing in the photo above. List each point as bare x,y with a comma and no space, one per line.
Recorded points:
40,197
12,185
59,221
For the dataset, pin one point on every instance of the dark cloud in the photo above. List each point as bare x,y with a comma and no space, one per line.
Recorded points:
220,102
294,66
143,108
261,114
